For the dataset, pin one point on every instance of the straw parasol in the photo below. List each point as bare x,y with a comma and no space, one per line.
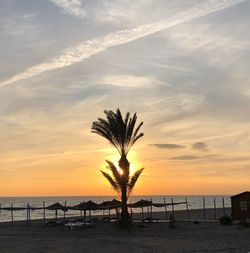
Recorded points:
80,206
168,204
110,204
140,204
90,205
57,206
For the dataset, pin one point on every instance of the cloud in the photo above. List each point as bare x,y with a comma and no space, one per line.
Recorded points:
94,46
200,146
185,157
73,7
167,146
130,81
212,43
131,13
213,158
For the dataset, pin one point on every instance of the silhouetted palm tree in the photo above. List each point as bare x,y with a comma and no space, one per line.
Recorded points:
122,134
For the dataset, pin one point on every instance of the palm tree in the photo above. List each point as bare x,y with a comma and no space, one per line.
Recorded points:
122,134
123,185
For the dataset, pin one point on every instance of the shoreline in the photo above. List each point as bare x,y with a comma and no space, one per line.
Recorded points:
193,214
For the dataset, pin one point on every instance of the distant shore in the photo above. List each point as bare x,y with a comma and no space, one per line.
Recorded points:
192,214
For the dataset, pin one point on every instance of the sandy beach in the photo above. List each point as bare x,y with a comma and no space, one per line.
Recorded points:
207,236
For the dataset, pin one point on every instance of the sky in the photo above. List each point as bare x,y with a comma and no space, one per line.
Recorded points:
182,66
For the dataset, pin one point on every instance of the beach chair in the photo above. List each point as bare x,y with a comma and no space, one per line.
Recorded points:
79,225
54,223
74,225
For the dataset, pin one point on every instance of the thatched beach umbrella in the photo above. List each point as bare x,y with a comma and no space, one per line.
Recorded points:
84,206
113,204
57,206
110,204
81,207
168,204
90,205
140,204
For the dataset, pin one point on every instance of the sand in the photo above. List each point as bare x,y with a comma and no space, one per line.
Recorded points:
207,236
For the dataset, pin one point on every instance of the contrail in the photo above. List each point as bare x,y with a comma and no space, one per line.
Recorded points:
94,46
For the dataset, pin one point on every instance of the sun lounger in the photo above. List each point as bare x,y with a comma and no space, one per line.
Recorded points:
150,220
54,223
78,225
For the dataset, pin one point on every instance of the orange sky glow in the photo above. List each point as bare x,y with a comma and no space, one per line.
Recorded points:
182,66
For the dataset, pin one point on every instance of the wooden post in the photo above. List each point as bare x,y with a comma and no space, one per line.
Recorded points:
27,211
84,219
172,202
188,215
12,217
0,208
131,211
223,206
109,214
56,213
142,214
151,211
214,208
64,211
117,214
44,215
165,206
204,208
90,216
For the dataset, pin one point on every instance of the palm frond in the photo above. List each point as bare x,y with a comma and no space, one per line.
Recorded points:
130,130
138,137
115,172
120,132
113,183
137,130
133,180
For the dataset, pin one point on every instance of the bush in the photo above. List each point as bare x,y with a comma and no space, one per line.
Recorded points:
226,220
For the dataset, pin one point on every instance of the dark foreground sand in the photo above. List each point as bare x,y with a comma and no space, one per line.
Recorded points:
207,236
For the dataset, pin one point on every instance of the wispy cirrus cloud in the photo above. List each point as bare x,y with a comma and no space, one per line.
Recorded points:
91,47
185,158
72,7
167,146
130,81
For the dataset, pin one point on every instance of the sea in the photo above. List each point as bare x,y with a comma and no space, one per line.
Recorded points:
194,202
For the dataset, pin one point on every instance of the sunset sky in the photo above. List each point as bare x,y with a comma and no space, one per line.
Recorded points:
183,66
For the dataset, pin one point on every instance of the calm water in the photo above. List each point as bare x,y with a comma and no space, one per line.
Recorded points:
194,202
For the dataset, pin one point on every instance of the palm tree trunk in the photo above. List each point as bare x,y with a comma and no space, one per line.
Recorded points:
125,219
124,165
